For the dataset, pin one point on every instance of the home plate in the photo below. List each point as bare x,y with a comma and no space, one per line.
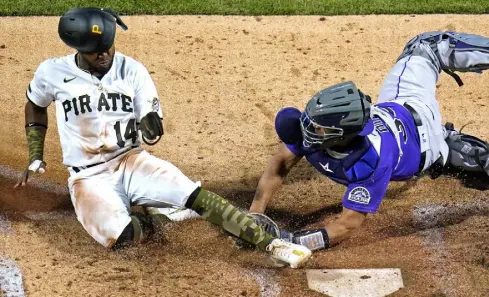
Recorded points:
355,282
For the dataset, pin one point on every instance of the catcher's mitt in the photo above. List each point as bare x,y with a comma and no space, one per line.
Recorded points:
261,220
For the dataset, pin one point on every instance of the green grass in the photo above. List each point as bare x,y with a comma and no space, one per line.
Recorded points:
249,7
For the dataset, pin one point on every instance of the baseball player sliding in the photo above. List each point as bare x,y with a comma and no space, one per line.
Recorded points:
103,98
365,146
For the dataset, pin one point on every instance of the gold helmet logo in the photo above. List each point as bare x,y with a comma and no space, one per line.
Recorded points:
96,29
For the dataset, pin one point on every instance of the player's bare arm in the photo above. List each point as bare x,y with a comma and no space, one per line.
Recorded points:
36,123
344,226
277,169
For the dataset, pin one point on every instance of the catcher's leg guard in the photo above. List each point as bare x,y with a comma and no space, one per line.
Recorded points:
467,153
451,51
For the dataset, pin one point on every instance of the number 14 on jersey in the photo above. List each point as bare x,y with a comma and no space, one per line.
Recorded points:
130,133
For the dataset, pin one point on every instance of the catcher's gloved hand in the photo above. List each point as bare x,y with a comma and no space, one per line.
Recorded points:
151,127
261,220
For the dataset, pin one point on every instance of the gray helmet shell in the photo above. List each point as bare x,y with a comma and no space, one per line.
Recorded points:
342,110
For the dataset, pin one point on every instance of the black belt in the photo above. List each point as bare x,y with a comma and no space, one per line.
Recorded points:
418,122
78,169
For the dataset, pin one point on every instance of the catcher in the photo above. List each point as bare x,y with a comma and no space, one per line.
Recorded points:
103,99
364,146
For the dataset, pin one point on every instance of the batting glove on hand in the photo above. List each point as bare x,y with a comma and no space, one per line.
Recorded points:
37,166
151,126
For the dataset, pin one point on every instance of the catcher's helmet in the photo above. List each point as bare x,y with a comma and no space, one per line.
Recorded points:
341,110
89,29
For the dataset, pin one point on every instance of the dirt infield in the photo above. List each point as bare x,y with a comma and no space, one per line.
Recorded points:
221,80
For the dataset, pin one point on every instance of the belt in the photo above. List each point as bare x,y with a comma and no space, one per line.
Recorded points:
418,122
78,169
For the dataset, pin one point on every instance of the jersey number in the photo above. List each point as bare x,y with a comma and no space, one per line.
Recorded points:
400,127
131,132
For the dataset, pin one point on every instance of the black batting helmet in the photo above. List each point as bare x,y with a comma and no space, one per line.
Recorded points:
89,29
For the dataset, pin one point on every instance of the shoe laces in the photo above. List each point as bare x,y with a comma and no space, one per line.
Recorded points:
279,248
274,245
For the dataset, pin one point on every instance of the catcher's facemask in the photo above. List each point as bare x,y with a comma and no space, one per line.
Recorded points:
315,134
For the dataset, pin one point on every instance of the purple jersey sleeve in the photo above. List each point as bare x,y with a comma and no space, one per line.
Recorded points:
366,195
296,149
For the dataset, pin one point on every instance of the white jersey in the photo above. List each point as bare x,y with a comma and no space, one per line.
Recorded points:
97,119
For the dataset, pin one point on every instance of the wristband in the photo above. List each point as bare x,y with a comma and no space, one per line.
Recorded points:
34,124
316,239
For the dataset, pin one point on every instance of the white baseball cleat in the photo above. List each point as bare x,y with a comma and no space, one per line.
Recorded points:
293,254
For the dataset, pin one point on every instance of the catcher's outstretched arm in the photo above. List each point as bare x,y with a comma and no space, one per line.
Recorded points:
273,176
333,233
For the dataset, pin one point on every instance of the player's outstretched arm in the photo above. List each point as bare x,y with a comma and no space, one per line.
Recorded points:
36,124
277,169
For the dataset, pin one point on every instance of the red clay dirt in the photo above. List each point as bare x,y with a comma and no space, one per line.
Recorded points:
221,80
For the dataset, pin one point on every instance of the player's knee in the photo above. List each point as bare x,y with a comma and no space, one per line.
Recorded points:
137,231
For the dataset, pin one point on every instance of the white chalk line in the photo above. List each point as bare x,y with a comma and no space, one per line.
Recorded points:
11,284
265,278
10,275
10,279
5,226
432,215
432,239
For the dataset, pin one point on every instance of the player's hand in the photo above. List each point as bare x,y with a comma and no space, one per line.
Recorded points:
151,126
36,166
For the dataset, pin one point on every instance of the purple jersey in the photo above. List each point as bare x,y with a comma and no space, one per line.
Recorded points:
372,159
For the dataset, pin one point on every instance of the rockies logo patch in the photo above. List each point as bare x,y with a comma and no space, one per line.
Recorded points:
359,195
